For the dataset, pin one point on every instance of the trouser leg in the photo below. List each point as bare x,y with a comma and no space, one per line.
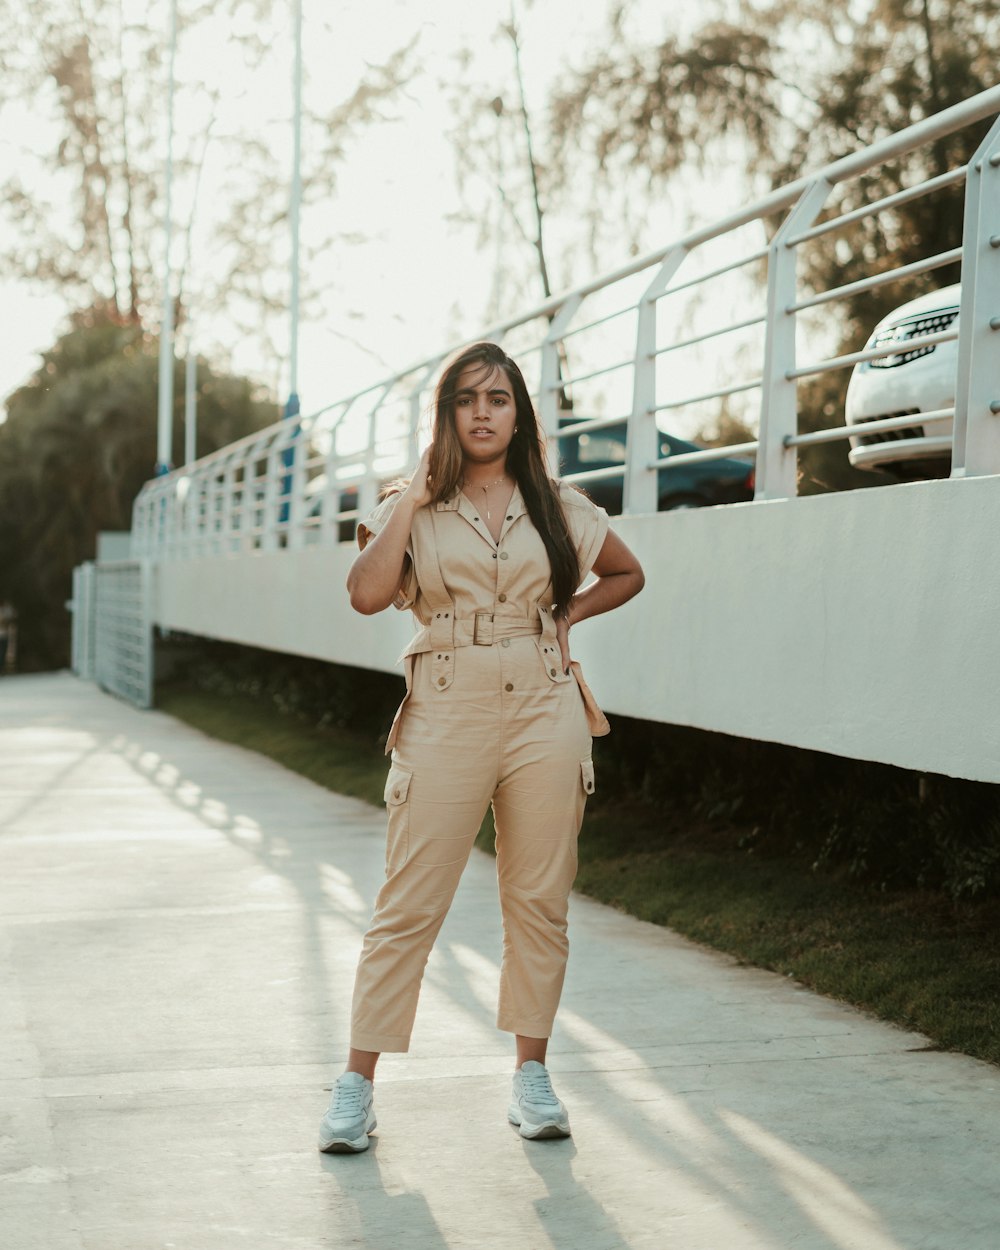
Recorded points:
538,809
433,823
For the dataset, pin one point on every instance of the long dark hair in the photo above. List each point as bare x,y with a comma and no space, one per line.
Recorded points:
526,460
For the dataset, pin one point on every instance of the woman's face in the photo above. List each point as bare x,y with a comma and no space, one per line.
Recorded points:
484,414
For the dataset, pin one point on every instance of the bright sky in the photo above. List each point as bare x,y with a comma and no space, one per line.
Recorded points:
421,280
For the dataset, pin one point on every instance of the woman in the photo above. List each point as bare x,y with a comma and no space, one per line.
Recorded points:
488,552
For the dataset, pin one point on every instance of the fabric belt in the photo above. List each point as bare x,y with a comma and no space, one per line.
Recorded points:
485,628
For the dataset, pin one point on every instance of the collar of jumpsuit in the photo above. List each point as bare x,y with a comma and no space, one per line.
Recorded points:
461,503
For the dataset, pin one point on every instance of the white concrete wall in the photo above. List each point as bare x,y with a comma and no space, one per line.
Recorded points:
866,624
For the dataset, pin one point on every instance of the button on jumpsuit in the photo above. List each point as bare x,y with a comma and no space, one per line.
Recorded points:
489,716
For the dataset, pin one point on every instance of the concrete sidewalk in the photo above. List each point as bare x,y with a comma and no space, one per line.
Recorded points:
181,921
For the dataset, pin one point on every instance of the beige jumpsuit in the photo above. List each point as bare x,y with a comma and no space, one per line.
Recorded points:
489,715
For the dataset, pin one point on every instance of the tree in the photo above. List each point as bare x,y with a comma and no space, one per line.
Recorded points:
499,173
87,81
74,451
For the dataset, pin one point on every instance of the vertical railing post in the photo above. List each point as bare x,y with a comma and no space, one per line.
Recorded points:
272,478
146,610
157,503
328,525
163,519
173,517
193,519
219,545
639,488
227,526
206,479
243,511
368,486
551,382
297,485
139,533
777,463
976,446
191,536
76,606
213,508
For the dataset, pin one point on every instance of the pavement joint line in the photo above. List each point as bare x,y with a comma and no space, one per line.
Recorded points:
152,913
487,1056
401,1079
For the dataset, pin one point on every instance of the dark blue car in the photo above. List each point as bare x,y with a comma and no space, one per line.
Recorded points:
686,486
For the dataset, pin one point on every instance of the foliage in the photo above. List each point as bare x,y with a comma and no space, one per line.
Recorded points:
79,441
333,757
322,695
884,826
492,135
787,85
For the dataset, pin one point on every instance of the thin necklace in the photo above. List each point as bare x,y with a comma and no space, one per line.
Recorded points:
486,498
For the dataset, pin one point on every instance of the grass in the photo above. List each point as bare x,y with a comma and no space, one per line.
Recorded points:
913,958
334,758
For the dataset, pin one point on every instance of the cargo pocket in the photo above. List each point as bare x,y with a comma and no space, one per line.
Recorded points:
587,776
397,838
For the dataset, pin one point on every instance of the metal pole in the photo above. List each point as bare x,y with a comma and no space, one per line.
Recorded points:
164,415
292,407
190,406
497,301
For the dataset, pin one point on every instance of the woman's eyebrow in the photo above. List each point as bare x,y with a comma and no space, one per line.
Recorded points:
494,390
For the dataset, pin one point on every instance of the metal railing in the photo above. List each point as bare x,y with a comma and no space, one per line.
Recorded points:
83,605
606,350
123,630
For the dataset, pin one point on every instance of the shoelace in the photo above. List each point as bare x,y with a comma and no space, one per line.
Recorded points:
347,1099
537,1087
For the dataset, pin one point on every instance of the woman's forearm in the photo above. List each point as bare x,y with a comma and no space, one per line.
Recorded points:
607,593
374,579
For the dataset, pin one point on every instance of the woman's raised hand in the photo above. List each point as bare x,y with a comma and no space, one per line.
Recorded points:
377,574
419,489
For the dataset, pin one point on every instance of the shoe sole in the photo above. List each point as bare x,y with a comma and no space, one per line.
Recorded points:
343,1146
347,1145
539,1132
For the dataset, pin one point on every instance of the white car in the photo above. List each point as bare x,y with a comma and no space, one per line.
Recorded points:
905,383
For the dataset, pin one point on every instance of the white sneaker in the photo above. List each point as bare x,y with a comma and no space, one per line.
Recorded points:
533,1104
351,1115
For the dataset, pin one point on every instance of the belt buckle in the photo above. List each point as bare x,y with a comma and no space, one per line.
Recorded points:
483,619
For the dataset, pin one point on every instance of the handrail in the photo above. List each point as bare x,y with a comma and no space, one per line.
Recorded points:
259,492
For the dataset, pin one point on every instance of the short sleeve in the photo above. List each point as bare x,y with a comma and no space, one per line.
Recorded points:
588,526
371,526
